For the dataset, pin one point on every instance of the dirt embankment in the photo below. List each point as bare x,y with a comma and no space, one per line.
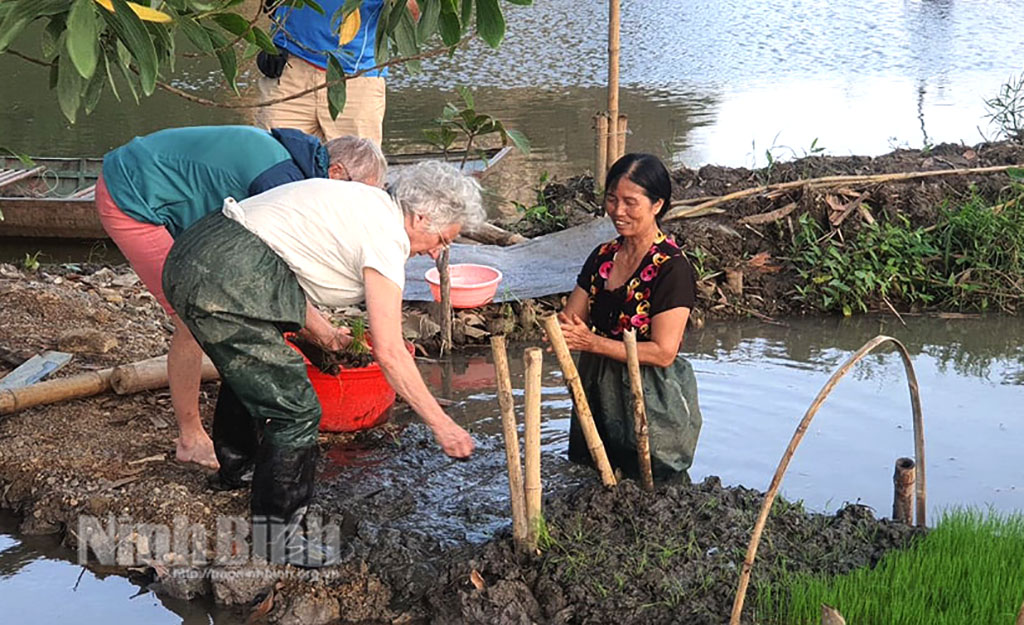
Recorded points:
742,252
418,523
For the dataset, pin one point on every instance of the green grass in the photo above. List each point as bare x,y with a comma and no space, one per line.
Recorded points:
968,570
971,259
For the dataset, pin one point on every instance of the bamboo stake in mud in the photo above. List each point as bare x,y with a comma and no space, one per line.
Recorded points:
798,435
601,167
509,429
532,358
572,380
636,384
903,491
613,79
446,301
620,137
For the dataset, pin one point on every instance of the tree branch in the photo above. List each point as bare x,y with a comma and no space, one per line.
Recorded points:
245,105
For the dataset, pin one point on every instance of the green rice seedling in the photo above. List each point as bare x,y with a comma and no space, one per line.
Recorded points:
967,570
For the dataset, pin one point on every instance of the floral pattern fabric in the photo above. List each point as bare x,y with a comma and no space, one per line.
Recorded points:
664,280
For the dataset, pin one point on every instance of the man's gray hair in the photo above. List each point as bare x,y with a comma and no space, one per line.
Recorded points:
439,192
360,157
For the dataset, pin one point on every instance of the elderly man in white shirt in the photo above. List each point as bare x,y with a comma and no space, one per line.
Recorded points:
241,278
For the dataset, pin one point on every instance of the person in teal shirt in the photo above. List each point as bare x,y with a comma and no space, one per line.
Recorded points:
154,187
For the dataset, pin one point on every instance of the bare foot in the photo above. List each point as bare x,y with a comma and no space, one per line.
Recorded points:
200,452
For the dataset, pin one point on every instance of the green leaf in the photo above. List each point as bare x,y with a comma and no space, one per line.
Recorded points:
196,34
132,32
227,57
335,92
430,13
93,91
69,87
467,96
523,3
315,6
405,38
264,41
163,43
380,41
124,58
52,38
467,14
519,140
235,24
110,76
451,29
83,30
21,13
490,22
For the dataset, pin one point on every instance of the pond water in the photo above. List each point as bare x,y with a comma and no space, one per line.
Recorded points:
755,382
703,81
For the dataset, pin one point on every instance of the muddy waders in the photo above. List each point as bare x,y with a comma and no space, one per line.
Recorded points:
238,297
673,415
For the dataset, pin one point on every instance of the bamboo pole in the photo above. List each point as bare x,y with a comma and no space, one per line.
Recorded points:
636,383
601,166
572,380
150,374
903,490
52,391
446,301
801,429
509,429
620,137
685,208
532,358
613,78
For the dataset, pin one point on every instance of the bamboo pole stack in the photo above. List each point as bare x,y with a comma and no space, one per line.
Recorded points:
610,125
532,358
636,383
445,320
509,429
572,380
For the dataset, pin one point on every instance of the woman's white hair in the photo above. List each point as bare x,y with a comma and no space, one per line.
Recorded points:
439,192
360,157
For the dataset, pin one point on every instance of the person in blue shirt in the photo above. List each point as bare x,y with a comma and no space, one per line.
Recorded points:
154,187
305,37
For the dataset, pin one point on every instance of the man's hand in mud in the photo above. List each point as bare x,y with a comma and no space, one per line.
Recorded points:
455,441
577,334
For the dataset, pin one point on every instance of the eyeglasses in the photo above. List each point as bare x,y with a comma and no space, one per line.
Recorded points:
445,243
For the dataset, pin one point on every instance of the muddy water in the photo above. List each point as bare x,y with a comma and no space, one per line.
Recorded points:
755,382
717,82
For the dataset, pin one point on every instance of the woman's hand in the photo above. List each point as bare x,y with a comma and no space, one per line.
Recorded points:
454,441
577,333
338,340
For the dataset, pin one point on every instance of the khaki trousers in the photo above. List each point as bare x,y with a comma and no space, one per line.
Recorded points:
362,116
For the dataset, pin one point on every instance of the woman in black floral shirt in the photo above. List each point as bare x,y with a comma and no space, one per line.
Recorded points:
640,280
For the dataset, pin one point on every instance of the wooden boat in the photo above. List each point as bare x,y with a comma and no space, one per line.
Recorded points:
54,197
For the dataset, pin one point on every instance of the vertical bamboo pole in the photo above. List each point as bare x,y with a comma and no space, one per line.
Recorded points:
601,166
613,78
636,383
446,301
903,491
532,358
509,429
620,137
572,380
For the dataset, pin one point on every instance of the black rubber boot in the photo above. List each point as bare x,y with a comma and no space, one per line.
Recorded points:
282,488
236,439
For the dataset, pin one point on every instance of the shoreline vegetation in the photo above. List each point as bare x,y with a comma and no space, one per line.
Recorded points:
608,556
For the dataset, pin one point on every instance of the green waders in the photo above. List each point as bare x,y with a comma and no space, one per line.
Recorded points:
238,297
673,415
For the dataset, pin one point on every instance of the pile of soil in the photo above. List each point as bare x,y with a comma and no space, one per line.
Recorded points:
329,361
745,267
627,556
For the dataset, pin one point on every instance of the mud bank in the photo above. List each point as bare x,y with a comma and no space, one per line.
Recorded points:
741,253
417,522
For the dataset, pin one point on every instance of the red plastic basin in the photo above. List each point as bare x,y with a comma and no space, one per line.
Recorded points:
354,399
471,285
